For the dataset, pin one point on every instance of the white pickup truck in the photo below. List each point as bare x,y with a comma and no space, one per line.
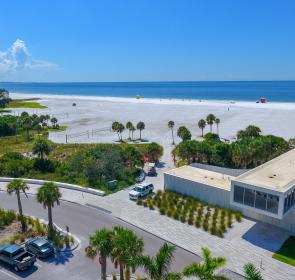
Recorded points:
141,190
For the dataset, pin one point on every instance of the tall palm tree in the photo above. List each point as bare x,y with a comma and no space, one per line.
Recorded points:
100,243
115,128
210,120
128,126
121,128
49,195
217,121
202,125
54,122
171,126
206,269
41,148
140,126
158,267
126,246
251,272
132,129
17,186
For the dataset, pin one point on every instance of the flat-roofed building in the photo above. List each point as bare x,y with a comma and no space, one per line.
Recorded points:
265,193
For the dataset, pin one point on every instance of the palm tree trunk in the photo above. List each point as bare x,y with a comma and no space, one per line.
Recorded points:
121,271
129,134
132,135
50,223
20,210
140,134
172,137
202,132
103,268
211,128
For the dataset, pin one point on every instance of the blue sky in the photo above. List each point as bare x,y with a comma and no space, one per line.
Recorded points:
147,40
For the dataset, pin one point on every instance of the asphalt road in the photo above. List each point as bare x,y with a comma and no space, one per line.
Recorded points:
82,221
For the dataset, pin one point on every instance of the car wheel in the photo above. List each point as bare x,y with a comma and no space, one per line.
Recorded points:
16,268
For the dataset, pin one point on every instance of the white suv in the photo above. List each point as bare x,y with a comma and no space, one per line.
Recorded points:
141,190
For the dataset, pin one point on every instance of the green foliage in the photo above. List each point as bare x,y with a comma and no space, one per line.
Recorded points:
4,98
6,217
206,269
251,272
247,152
184,133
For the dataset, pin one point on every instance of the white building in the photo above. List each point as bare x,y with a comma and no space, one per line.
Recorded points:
265,193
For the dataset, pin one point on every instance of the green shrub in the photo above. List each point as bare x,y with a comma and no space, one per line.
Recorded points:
139,202
176,215
205,225
162,211
182,219
169,213
145,204
67,241
238,216
190,220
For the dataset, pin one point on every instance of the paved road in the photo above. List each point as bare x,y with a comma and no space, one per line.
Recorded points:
82,221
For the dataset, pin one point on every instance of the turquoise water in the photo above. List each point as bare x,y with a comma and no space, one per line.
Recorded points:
279,91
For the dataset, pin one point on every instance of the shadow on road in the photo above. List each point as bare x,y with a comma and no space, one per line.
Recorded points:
60,258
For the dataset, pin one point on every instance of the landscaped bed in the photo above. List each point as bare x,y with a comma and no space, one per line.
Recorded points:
10,230
189,210
286,253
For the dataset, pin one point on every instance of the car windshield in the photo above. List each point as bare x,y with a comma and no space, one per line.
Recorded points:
44,246
137,189
17,252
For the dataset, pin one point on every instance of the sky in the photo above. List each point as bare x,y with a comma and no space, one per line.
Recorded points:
147,40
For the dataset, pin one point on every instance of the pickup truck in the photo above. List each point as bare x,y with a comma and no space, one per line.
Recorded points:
141,190
17,257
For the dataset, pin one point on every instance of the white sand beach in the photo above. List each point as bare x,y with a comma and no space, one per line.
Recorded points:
93,113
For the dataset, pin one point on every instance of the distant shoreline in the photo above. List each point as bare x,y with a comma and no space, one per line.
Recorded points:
160,101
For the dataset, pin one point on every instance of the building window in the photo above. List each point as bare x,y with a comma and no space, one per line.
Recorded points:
289,201
259,200
238,194
249,197
272,203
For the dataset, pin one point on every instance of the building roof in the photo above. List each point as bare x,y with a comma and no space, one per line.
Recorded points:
202,176
277,174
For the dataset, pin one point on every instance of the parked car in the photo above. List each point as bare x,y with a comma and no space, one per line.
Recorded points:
152,172
17,257
141,190
40,247
140,177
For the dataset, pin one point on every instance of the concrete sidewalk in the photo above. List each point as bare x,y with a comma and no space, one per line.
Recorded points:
246,242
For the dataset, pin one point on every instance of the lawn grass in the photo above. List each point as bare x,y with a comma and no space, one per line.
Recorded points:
25,103
286,253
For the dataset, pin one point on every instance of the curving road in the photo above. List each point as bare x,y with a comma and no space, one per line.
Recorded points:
82,221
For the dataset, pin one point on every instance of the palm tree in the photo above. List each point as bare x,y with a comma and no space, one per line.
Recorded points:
126,247
171,126
121,128
217,121
115,128
100,243
140,126
210,120
17,186
41,148
202,125
158,267
184,133
206,269
132,129
48,194
251,272
54,122
128,126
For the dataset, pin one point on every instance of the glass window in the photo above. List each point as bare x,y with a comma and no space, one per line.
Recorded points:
260,201
249,197
238,194
273,204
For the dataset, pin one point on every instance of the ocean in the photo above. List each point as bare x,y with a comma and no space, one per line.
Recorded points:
276,91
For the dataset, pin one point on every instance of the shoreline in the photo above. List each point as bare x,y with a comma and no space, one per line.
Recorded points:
159,101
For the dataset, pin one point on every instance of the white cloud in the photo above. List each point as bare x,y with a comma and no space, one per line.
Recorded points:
18,57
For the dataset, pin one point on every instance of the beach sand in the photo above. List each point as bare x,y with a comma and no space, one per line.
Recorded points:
93,113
